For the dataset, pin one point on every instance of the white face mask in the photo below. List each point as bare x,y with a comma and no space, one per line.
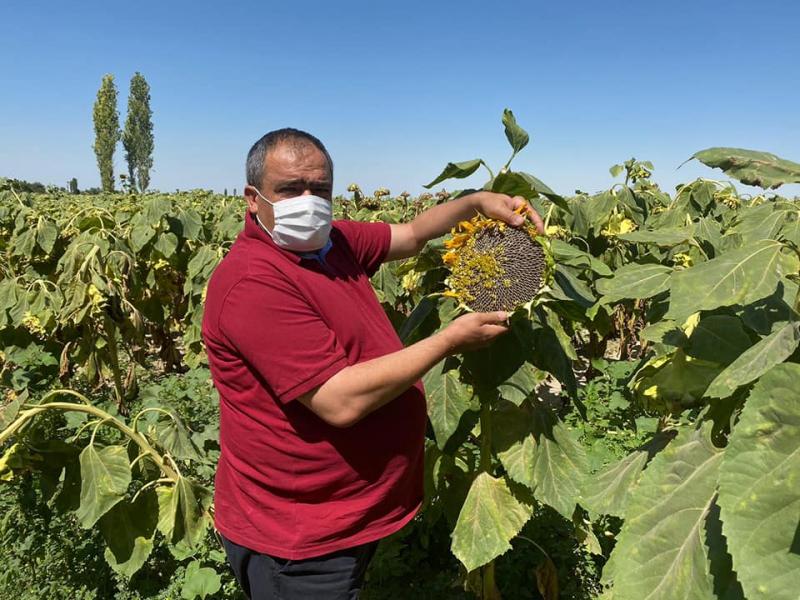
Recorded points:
302,224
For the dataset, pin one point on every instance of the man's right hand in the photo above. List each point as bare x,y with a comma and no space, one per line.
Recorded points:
475,330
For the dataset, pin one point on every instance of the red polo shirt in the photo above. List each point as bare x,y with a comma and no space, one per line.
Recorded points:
276,326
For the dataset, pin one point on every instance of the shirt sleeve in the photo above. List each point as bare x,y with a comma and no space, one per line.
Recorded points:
368,241
280,335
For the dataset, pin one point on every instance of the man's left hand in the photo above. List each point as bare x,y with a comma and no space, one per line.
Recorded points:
502,207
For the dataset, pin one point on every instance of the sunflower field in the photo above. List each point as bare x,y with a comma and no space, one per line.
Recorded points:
636,435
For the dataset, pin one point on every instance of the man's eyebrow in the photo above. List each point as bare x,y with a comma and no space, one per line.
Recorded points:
304,182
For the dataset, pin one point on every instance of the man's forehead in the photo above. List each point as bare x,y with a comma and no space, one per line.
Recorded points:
297,154
289,161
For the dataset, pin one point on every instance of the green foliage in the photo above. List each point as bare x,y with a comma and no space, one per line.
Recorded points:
626,429
137,137
106,131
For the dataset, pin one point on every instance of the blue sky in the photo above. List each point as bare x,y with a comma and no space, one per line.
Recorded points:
397,89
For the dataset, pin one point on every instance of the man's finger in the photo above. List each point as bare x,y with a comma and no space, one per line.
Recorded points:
494,330
537,220
508,208
497,317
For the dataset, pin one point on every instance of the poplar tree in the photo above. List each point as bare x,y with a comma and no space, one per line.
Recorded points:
106,131
137,138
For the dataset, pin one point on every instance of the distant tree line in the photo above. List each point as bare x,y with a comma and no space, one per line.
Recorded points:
136,137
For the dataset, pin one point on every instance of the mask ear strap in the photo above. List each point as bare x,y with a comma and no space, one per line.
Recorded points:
268,232
260,195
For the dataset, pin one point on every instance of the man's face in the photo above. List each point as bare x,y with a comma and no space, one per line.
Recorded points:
289,171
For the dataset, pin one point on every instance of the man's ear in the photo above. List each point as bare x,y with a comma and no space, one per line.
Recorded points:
251,197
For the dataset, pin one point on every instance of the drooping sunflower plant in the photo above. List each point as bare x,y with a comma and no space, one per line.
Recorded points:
499,450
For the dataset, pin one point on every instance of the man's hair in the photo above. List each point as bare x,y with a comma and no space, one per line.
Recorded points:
287,135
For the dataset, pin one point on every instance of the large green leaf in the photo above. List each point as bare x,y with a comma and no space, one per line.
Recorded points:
155,208
771,313
567,254
489,519
166,243
521,384
726,583
540,452
751,167
516,183
457,170
737,277
759,492
757,360
128,530
490,366
608,492
105,476
140,235
635,281
567,286
718,338
661,552
448,400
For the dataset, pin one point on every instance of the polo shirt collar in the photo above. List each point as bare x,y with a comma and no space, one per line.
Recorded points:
253,230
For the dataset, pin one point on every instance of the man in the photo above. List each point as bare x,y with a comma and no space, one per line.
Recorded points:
322,412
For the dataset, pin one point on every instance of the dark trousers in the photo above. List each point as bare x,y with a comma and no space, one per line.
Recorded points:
334,576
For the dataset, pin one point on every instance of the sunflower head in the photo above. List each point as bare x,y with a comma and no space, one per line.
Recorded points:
494,266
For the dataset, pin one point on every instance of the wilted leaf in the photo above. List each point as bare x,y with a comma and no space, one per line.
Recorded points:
751,167
386,284
105,476
128,530
46,235
200,582
180,513
140,235
175,438
458,170
166,243
489,519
